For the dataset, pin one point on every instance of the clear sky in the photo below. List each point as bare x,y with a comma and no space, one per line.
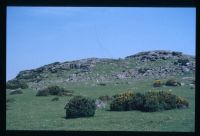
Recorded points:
41,35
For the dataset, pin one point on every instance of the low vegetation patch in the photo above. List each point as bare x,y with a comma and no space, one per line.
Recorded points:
55,99
161,100
80,106
54,90
102,84
157,83
181,102
122,102
15,84
18,91
148,102
172,82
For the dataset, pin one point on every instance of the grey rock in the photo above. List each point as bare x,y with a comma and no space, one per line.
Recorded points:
100,104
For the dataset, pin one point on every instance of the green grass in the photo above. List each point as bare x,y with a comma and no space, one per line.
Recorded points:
29,112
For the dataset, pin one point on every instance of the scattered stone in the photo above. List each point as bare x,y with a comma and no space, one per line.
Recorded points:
100,104
182,84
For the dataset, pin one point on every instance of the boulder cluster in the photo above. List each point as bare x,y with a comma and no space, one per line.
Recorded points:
150,64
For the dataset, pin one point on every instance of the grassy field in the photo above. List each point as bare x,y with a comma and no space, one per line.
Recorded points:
29,112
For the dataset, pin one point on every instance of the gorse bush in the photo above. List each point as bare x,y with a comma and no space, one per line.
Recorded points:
151,104
181,102
15,84
80,106
122,102
137,101
54,90
148,102
157,83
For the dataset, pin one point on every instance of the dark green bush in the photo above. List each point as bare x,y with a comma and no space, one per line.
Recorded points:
15,84
137,101
172,82
167,100
102,84
54,90
160,100
151,104
183,61
174,53
80,106
43,92
118,105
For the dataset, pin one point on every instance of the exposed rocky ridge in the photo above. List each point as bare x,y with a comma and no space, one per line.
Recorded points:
150,64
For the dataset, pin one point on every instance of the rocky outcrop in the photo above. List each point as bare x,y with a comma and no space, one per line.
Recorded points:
158,54
150,64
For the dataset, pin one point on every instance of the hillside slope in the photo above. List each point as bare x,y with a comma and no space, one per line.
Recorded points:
143,65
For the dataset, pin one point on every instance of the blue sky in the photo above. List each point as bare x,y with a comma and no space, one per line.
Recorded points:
41,35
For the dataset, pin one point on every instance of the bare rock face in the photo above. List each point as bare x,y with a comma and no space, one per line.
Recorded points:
149,64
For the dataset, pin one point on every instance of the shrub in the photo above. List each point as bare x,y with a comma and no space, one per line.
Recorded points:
16,92
148,102
151,104
43,92
142,70
157,83
160,100
174,53
80,106
54,90
183,61
15,84
181,102
167,100
102,84
137,102
122,102
172,82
